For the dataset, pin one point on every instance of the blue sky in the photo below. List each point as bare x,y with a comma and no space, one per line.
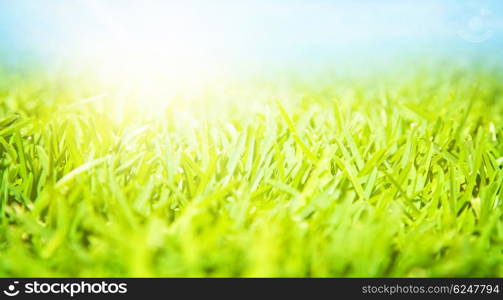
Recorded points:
274,30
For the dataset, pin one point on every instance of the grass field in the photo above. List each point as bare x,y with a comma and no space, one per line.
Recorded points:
385,175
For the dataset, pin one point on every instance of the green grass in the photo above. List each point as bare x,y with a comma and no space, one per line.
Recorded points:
386,175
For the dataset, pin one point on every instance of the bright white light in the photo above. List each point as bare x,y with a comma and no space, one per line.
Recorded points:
153,51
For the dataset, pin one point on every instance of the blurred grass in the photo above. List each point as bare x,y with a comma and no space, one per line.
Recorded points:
389,175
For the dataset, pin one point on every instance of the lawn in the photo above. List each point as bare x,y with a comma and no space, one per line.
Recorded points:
397,174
